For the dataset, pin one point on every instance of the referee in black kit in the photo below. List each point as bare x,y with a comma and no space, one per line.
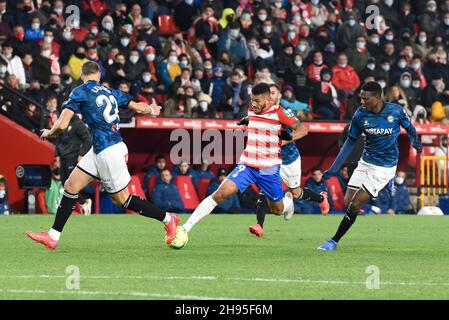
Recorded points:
71,145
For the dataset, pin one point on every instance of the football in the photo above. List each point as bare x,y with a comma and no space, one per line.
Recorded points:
181,238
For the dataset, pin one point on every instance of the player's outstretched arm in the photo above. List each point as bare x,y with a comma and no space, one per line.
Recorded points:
60,125
345,150
299,132
413,135
144,108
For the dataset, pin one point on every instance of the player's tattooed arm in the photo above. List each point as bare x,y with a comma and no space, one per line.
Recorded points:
60,125
144,108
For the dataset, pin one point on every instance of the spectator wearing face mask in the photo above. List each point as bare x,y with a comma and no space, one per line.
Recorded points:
4,205
49,38
317,13
315,68
358,55
265,56
269,31
149,33
76,61
405,82
204,108
36,31
443,28
325,98
179,105
303,48
234,42
296,76
400,201
371,69
92,55
50,113
138,85
169,69
302,110
349,32
285,60
14,63
134,67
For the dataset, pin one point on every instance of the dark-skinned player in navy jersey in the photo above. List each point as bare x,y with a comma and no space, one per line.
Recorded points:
290,172
106,160
381,123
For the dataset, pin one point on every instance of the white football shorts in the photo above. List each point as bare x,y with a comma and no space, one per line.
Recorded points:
291,174
109,166
371,178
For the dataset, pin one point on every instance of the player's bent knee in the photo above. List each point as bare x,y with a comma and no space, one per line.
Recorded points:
120,198
70,186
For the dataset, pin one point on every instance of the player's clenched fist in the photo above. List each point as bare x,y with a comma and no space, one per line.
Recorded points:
156,110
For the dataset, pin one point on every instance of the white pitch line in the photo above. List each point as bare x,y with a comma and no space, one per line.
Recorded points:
216,278
118,293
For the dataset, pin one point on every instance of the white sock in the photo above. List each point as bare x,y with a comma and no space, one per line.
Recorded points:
167,218
205,207
288,202
55,235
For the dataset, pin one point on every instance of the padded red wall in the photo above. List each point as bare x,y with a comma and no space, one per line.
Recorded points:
20,146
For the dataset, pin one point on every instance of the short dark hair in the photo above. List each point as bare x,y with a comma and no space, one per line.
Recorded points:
261,88
159,157
274,85
372,87
316,169
90,67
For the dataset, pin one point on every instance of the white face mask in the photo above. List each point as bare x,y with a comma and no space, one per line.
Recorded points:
371,66
405,83
124,42
446,21
173,59
146,78
416,85
203,105
386,67
279,4
343,65
422,40
150,57
360,45
58,10
94,31
375,40
46,53
35,26
48,39
389,37
291,35
67,35
351,22
76,24
108,26
315,2
3,69
298,63
302,47
133,59
382,84
389,2
267,29
416,66
262,17
235,33
402,64
189,2
399,180
2,193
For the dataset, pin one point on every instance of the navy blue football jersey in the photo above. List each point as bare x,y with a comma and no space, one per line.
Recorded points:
290,152
381,133
99,106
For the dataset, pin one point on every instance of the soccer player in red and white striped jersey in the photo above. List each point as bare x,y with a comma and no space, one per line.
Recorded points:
261,160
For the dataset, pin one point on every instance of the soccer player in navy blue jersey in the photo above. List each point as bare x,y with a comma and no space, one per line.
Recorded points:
106,160
381,123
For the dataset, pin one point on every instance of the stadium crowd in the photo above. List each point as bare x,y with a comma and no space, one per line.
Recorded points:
200,58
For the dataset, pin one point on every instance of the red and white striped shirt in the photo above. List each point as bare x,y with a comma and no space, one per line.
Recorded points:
263,149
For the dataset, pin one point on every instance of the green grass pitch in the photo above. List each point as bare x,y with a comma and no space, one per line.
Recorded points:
125,257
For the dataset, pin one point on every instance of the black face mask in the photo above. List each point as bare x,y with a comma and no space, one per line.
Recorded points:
55,171
53,86
103,42
180,96
265,47
80,55
234,84
65,77
178,42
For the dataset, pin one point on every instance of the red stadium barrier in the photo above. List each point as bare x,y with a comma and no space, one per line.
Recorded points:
135,188
337,194
203,184
187,191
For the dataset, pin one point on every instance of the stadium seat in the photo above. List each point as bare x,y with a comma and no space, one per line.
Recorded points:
187,191
167,25
40,201
151,184
338,196
203,184
140,175
135,188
